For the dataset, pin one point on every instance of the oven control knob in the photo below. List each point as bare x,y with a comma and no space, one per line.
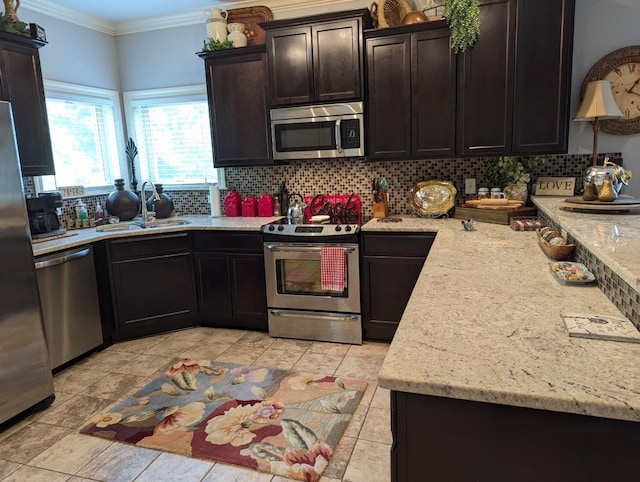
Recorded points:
281,228
347,228
338,228
271,227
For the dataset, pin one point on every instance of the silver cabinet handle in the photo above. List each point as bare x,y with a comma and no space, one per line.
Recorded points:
301,249
315,317
62,259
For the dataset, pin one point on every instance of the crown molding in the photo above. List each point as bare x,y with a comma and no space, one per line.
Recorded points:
70,15
159,22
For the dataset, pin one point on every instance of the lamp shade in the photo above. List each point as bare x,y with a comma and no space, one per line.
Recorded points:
598,102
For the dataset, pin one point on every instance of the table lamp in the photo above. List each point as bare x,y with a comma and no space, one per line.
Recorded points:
597,103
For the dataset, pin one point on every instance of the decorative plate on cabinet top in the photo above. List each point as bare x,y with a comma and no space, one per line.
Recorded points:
430,198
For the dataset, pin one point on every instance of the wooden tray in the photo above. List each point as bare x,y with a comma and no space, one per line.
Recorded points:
251,18
557,253
494,215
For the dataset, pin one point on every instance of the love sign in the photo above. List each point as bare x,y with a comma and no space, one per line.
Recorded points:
555,186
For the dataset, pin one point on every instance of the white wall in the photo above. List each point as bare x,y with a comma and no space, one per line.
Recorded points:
602,26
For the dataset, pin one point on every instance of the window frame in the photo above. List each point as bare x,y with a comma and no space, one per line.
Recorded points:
75,92
157,96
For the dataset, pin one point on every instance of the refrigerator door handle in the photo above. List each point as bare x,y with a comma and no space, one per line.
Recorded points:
62,259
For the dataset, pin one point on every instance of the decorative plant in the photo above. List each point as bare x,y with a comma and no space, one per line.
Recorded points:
510,170
463,18
9,22
212,44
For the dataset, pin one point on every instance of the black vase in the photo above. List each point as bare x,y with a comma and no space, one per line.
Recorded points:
122,202
163,207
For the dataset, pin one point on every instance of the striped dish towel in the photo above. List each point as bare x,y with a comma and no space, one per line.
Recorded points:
333,273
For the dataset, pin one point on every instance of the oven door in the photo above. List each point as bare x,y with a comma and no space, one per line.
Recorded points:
293,278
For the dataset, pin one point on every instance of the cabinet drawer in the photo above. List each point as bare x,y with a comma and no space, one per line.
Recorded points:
149,246
397,244
228,242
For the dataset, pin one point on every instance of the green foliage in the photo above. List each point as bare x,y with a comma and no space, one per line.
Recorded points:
507,170
213,44
10,26
463,18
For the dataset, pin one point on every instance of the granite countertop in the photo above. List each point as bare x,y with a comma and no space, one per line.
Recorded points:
613,238
484,323
89,235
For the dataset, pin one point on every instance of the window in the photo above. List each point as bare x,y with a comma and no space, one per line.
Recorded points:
171,130
85,134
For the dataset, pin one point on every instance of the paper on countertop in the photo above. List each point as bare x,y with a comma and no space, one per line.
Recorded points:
601,327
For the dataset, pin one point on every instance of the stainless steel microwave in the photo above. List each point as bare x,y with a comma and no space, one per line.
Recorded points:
318,131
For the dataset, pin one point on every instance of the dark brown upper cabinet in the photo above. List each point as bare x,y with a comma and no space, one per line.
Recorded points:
508,94
485,81
543,76
411,79
238,92
316,59
21,84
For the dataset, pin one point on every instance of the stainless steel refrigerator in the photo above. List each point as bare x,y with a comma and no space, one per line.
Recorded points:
25,373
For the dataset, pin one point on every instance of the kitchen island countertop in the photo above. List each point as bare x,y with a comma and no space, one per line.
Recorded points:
198,223
484,323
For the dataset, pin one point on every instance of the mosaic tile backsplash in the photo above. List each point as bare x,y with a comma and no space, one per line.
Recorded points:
351,176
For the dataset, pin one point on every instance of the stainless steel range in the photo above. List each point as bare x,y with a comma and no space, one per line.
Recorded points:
302,264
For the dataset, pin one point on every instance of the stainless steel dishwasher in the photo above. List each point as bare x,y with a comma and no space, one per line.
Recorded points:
69,299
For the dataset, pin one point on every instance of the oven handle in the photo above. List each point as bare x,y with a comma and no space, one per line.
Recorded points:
301,249
316,317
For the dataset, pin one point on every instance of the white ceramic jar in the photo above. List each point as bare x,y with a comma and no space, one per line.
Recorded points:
216,23
236,34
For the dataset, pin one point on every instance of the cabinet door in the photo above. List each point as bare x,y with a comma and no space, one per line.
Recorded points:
337,60
239,109
433,104
248,291
214,288
21,84
388,286
290,65
543,76
153,295
389,97
485,80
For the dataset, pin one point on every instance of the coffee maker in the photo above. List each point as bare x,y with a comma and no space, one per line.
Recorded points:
43,215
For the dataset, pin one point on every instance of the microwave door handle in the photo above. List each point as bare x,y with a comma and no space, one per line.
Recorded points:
338,136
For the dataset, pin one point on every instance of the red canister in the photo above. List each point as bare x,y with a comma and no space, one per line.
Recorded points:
249,207
265,206
232,204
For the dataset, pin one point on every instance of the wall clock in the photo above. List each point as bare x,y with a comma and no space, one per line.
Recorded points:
622,68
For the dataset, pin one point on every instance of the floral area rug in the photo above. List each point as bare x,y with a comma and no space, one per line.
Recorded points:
277,421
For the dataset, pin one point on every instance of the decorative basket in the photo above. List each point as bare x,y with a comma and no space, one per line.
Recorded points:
556,252
389,13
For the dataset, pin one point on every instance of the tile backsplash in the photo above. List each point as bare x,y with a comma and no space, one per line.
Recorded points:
348,176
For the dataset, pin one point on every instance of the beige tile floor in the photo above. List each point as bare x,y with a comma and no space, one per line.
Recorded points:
47,446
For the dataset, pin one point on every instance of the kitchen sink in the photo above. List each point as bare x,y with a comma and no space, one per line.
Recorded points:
158,223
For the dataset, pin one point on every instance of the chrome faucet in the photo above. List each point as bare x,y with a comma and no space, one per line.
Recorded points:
146,215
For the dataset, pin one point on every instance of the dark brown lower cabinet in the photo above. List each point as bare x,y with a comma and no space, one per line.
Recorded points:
391,264
444,439
229,268
152,284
